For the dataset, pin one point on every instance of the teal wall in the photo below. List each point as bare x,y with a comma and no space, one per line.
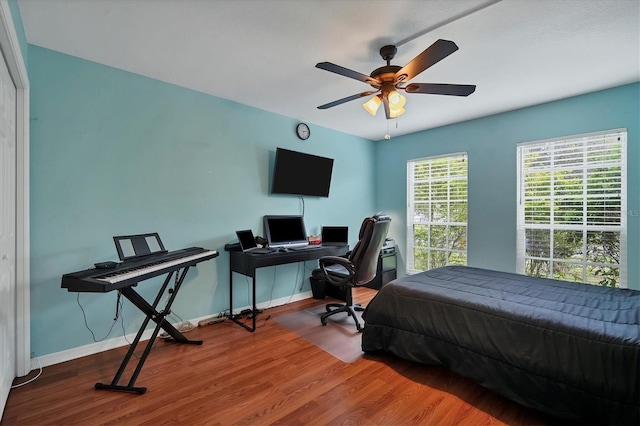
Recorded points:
117,153
114,153
491,146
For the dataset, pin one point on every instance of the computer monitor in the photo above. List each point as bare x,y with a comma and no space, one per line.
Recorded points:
285,231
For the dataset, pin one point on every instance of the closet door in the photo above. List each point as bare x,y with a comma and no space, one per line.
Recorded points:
7,232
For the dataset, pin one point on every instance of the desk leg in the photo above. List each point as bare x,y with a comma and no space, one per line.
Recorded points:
254,311
233,317
230,293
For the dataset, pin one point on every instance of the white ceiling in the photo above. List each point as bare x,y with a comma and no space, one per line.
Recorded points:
263,53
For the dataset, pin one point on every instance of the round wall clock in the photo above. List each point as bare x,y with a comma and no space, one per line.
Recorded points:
303,132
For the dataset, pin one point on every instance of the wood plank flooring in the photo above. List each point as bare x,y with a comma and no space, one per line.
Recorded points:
271,376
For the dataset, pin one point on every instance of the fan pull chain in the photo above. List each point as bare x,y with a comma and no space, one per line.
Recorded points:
388,135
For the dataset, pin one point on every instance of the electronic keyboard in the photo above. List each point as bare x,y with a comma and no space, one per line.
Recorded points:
130,272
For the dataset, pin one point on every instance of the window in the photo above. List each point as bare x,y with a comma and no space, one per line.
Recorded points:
437,212
572,208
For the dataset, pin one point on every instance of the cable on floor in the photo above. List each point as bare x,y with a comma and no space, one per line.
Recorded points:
31,379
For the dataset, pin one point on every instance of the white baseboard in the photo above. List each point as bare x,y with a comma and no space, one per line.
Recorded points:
105,345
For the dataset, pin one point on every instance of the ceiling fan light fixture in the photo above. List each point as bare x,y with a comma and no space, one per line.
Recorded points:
372,105
396,100
396,104
395,113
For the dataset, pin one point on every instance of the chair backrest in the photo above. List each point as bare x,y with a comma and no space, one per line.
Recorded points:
364,255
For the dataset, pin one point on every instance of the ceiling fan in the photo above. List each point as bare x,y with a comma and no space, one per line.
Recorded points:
388,80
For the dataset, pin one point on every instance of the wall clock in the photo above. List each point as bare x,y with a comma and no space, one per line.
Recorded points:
303,132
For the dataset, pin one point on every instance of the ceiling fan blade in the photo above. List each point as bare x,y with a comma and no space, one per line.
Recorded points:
431,56
328,66
347,99
441,89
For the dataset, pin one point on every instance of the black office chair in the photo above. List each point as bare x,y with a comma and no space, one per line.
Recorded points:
357,269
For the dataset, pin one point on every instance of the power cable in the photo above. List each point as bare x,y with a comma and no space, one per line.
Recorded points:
31,379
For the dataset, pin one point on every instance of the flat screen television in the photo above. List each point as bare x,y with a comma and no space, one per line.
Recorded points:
298,173
285,231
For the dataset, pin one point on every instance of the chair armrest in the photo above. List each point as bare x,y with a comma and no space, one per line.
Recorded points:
329,260
326,261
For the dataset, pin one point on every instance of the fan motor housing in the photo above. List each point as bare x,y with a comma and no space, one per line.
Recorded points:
385,74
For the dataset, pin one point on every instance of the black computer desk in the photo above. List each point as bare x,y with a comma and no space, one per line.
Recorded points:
247,263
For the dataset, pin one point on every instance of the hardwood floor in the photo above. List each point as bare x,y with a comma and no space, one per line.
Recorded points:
271,376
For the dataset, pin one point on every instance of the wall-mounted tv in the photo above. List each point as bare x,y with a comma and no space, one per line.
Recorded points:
298,173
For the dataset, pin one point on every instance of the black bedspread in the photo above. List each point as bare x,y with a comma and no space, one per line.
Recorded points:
570,350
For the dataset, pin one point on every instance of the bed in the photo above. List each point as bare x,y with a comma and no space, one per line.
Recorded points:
566,349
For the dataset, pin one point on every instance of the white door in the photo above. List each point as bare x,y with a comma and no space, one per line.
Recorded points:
7,232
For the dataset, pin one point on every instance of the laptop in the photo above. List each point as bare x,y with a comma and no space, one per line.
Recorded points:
248,242
335,235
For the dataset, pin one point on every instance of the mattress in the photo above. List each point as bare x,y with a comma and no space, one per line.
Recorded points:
570,350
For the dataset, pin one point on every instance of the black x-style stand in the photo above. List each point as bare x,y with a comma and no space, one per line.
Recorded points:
161,323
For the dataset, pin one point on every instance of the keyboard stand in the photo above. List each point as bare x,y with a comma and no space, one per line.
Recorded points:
161,323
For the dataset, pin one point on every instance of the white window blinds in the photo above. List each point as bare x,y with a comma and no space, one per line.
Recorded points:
436,212
572,208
